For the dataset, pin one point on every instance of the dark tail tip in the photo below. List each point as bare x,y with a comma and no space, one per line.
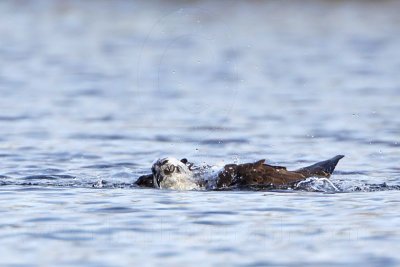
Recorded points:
323,168
336,159
330,164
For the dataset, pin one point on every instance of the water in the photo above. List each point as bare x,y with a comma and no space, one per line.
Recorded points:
97,90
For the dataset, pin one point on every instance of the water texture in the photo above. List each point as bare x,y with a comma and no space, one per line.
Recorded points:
93,91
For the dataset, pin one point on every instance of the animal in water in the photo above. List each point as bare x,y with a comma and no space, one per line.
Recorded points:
171,173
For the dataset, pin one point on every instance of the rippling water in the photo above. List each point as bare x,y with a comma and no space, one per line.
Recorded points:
96,90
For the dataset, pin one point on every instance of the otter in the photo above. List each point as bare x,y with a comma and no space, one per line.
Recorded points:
171,173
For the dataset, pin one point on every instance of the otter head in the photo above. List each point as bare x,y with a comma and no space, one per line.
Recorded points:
172,173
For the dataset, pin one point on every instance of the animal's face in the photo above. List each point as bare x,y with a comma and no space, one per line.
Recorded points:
171,173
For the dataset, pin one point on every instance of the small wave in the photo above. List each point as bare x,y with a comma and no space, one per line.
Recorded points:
327,186
49,177
317,185
100,137
105,184
108,166
14,118
224,141
370,187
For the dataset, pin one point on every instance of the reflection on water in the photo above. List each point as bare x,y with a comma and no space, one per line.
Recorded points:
95,91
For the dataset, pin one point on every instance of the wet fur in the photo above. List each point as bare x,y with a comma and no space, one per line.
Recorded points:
260,174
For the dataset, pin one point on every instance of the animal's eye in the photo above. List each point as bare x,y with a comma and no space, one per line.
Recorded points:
170,169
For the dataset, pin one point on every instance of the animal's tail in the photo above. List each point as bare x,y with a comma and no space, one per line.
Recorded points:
321,169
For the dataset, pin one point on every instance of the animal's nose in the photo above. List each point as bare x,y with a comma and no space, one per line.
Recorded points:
170,169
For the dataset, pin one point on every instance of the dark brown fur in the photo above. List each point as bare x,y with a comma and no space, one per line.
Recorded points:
259,173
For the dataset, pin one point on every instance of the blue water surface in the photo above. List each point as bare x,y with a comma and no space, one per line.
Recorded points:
96,90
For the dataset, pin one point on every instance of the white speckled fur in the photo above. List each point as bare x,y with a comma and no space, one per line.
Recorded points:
180,179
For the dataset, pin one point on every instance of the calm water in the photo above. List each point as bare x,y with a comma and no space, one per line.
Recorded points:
97,90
